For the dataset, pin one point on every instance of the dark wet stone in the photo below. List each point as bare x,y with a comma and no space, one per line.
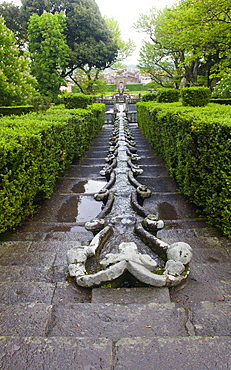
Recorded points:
55,353
212,319
25,319
205,272
173,353
85,171
69,292
28,259
159,184
14,247
78,209
126,296
195,292
25,292
20,273
114,322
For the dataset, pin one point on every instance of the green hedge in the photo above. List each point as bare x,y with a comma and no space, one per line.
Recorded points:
221,101
35,150
149,97
74,100
195,144
168,95
17,110
195,96
136,87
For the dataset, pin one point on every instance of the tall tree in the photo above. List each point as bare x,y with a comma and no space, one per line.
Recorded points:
92,47
16,84
125,48
49,51
14,21
198,31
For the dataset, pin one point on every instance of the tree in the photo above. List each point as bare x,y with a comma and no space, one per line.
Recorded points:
14,21
92,47
198,31
49,51
16,84
125,48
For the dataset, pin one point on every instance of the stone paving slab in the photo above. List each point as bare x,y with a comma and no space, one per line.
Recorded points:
55,353
28,259
208,272
14,247
25,292
195,291
159,184
126,296
25,319
79,185
116,321
212,319
86,171
169,206
69,292
173,353
20,274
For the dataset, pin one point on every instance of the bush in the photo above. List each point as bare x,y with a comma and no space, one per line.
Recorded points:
35,150
149,97
195,96
18,110
73,100
168,95
195,144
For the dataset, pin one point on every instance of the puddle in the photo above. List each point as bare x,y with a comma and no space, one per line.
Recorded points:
88,186
166,211
79,209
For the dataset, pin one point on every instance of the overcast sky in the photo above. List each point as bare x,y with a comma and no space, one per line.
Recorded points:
127,12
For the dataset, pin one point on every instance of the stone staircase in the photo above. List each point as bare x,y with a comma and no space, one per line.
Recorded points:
48,322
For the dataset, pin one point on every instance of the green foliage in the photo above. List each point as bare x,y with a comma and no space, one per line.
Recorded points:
35,150
17,110
136,87
125,48
75,100
49,51
168,95
195,144
188,40
16,84
223,87
195,96
149,97
40,103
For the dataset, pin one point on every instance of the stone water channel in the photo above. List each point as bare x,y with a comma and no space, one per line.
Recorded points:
123,258
48,322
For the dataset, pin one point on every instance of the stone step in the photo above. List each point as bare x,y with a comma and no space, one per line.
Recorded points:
93,320
138,353
126,296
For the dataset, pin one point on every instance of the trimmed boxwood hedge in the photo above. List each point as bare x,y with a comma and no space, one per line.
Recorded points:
195,144
35,150
75,100
149,97
195,96
16,110
168,95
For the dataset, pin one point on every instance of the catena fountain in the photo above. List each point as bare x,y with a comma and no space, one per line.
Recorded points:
123,212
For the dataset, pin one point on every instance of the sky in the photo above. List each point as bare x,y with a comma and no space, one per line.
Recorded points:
127,12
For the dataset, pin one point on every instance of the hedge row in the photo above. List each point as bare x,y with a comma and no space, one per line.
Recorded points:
35,150
18,110
75,100
195,144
